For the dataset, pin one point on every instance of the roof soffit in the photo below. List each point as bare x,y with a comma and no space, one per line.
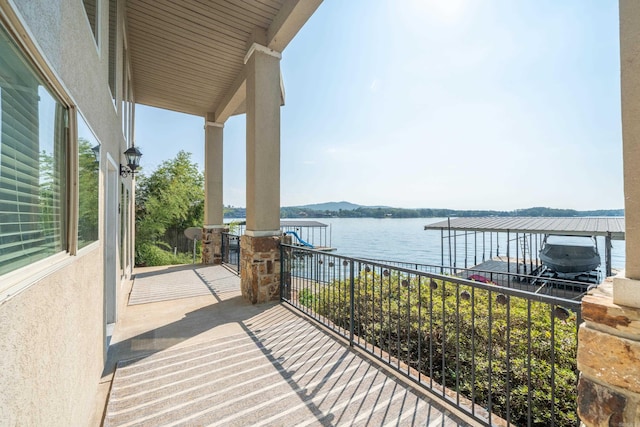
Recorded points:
188,56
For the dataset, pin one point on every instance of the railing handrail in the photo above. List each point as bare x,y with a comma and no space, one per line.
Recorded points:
502,273
472,344
228,233
485,286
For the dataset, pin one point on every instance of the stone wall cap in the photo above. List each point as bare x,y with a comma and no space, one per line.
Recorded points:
601,313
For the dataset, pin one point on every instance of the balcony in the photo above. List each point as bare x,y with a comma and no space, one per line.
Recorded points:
501,355
190,351
351,342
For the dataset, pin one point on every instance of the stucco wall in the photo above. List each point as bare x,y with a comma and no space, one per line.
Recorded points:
51,351
52,333
62,31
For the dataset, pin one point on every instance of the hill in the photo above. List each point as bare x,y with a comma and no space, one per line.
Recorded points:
351,210
329,206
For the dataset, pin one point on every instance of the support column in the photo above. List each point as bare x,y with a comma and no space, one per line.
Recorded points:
213,205
609,339
608,361
259,247
626,290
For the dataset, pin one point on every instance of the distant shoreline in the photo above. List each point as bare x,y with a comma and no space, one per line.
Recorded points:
389,212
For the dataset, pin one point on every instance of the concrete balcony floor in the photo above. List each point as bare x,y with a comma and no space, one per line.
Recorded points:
188,350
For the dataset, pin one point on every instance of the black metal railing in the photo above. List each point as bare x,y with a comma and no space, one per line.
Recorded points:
231,250
495,352
543,281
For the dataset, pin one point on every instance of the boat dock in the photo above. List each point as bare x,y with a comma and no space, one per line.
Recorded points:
521,238
304,233
308,234
539,280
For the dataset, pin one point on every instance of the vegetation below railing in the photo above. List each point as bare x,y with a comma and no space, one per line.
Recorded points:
510,355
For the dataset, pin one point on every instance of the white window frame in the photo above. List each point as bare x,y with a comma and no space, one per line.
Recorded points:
15,282
97,36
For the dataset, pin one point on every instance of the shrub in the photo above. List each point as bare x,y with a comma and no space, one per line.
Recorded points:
446,329
149,255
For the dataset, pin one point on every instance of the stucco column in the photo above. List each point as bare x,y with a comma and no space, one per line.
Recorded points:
213,214
213,205
263,142
259,247
626,290
609,338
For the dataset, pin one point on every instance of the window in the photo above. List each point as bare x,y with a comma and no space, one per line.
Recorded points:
113,33
127,104
125,94
33,163
130,112
91,7
88,184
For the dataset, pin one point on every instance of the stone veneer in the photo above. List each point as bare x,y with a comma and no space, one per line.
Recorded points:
609,361
260,268
212,245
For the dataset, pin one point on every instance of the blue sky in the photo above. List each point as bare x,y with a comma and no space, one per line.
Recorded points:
436,103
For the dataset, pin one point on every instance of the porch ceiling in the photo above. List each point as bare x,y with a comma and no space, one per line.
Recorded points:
188,55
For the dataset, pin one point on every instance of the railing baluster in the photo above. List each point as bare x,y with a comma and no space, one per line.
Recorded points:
474,358
420,329
490,344
443,338
431,283
473,350
529,409
398,350
351,302
457,343
380,345
553,365
508,383
408,355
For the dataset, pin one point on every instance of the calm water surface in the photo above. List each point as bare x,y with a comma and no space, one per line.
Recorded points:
398,239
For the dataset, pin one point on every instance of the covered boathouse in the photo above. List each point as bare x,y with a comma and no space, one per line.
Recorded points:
524,236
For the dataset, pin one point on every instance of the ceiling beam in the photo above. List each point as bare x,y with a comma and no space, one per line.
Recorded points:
289,20
233,99
286,24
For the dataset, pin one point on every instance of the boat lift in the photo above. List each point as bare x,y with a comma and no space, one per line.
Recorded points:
522,236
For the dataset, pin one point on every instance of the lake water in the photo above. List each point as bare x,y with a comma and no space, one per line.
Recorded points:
397,239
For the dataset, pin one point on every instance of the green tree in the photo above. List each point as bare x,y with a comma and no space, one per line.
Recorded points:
88,176
172,197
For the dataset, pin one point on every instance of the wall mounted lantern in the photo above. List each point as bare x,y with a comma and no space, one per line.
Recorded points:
133,161
96,152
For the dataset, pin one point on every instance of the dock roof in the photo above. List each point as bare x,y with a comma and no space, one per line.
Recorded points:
582,226
301,223
293,223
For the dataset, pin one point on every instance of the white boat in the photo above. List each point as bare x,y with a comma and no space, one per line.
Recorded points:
570,254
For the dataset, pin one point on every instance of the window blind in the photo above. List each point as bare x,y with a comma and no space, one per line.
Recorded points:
32,164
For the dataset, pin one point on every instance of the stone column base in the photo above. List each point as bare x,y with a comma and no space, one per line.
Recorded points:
260,268
609,361
212,245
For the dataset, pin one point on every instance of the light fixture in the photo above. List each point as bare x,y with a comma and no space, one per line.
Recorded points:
133,161
96,152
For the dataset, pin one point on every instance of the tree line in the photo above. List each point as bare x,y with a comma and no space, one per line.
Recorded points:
171,199
387,212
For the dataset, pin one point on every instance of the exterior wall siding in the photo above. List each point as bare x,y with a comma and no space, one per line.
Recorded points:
52,350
